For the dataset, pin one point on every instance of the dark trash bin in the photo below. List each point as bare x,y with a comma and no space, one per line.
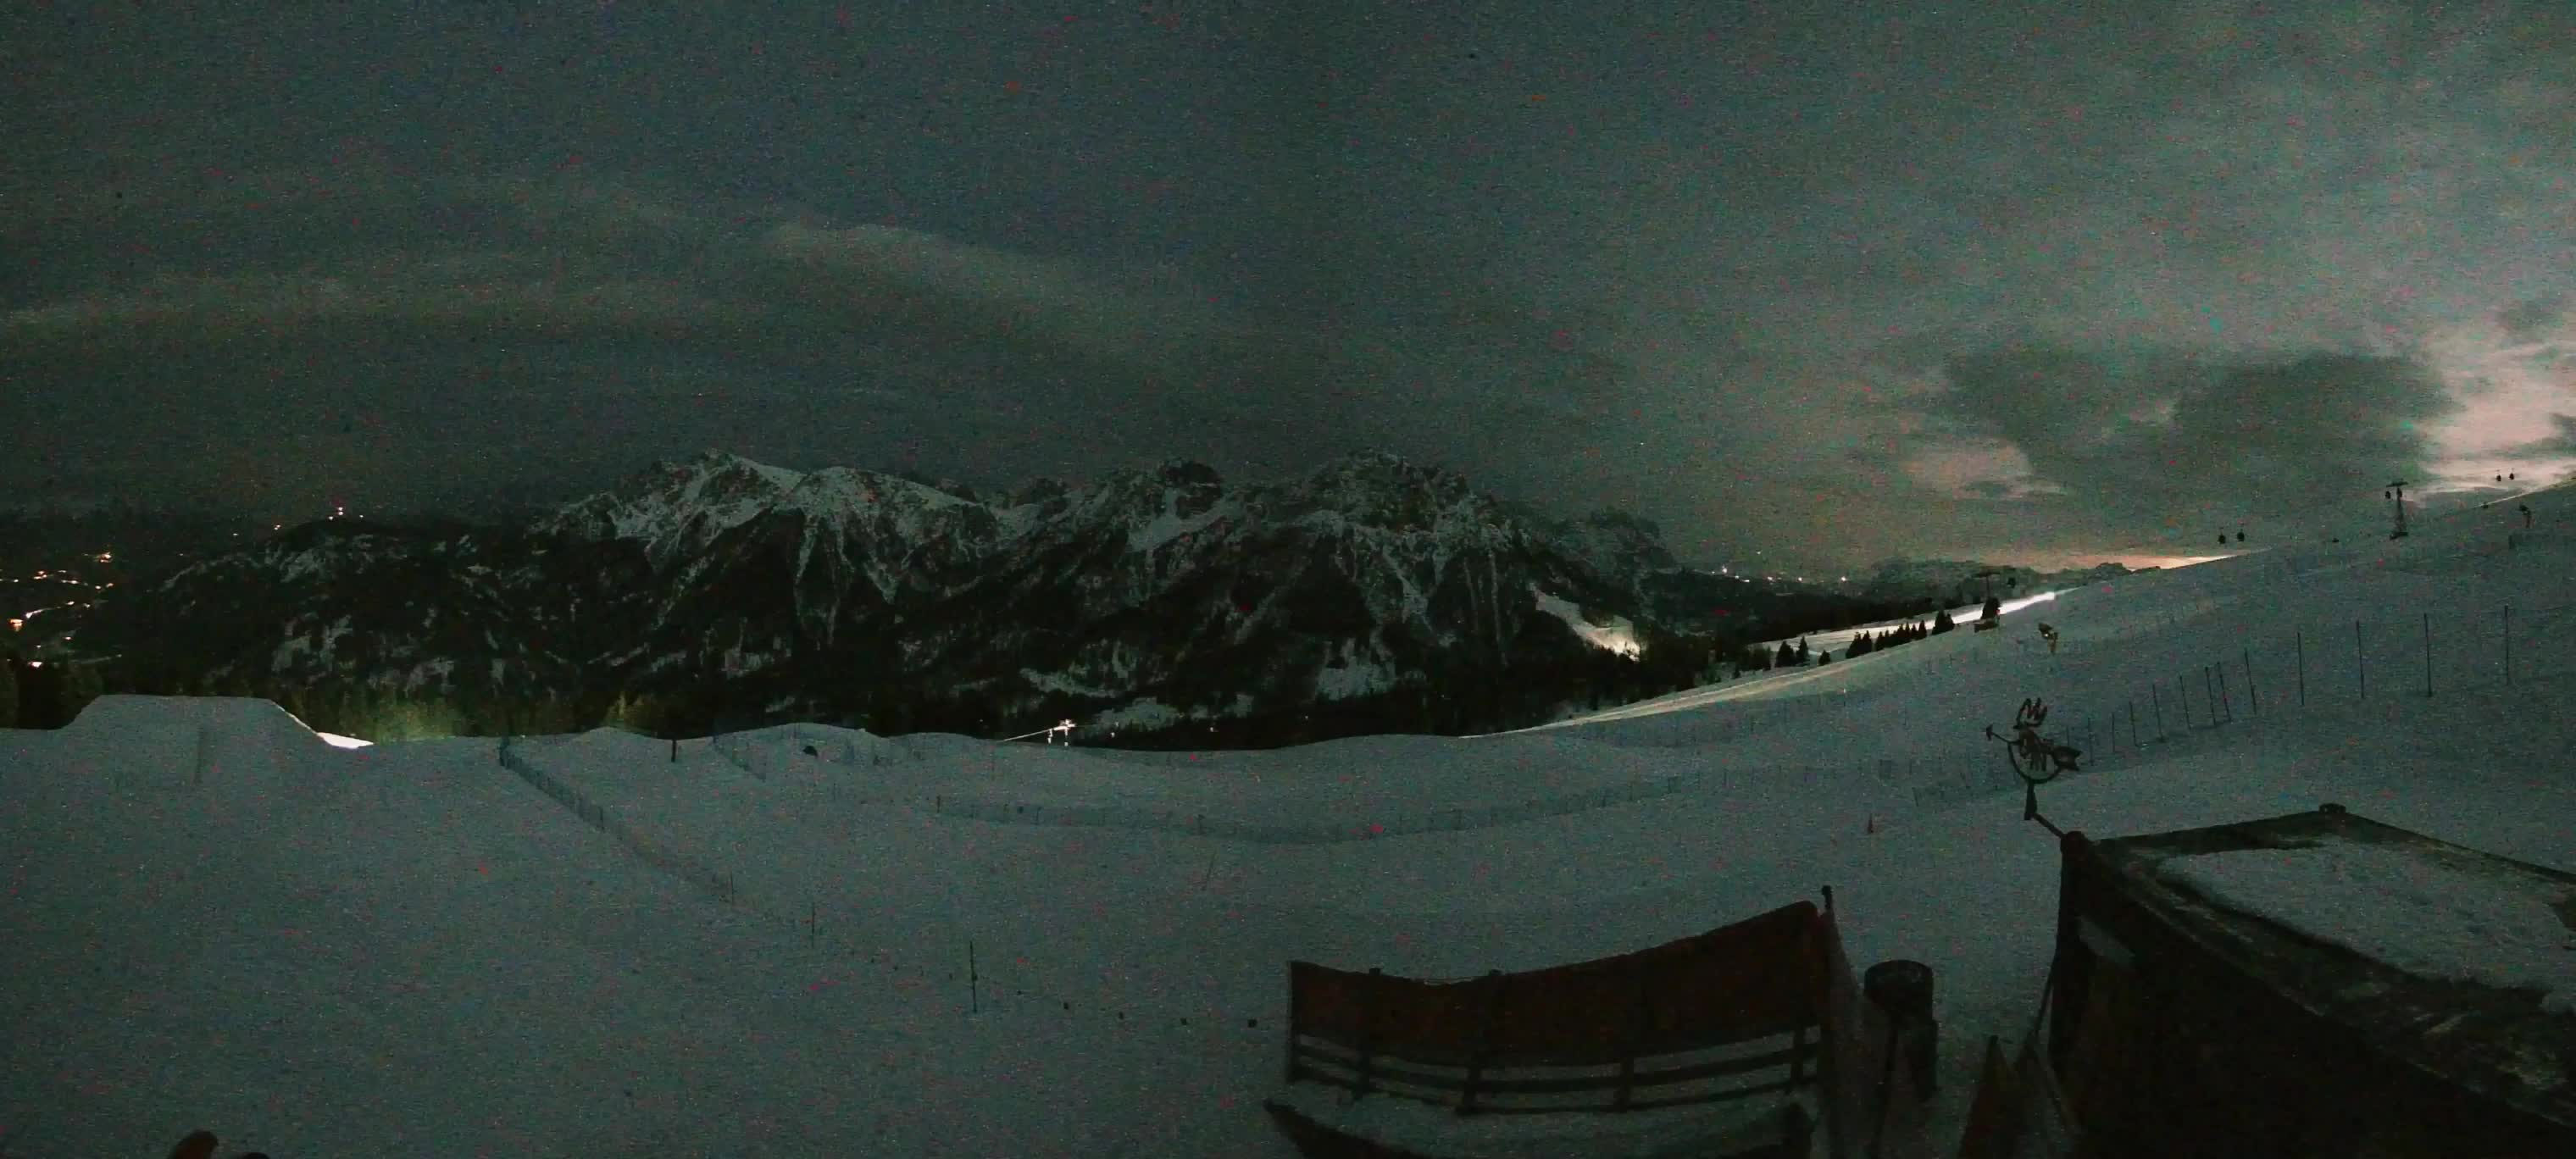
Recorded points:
1903,989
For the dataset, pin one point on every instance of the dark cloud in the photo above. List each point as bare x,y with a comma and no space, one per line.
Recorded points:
970,356
681,324
2534,319
2560,442
2146,442
1847,280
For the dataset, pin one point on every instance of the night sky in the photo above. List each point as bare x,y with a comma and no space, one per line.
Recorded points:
2027,282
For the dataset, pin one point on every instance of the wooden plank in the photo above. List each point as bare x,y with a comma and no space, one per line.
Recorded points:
1640,1019
1497,1081
1315,1140
1499,984
1485,1045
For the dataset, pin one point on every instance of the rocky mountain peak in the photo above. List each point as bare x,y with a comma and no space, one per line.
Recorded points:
1380,489
676,508
1150,595
1617,543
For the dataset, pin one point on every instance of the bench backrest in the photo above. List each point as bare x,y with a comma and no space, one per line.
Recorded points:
1690,1021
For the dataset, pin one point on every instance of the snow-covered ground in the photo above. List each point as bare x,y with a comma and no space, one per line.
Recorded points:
214,918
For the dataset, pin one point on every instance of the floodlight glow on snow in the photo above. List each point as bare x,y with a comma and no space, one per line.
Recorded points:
337,741
2024,602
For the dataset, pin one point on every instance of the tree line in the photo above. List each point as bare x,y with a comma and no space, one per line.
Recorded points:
1453,695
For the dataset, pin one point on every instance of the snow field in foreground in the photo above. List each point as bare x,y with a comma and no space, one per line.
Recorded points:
213,921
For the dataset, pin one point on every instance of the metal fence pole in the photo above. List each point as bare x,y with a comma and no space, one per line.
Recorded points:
2223,702
2156,698
2134,742
2252,699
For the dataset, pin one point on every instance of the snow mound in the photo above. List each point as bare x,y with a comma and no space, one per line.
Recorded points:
183,742
607,741
789,749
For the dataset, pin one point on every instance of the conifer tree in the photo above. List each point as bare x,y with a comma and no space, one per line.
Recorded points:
81,684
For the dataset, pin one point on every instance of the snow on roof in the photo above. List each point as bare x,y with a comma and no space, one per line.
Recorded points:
2456,961
2422,915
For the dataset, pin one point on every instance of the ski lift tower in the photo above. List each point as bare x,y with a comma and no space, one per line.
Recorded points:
2398,490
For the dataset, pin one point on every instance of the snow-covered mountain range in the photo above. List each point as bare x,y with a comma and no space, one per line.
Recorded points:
1954,581
1140,600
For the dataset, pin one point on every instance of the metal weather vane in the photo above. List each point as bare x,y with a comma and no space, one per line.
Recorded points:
2036,759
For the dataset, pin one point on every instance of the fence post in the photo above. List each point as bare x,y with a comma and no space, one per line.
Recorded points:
2182,695
2428,655
2360,666
2252,699
2223,701
2134,742
2299,638
2155,697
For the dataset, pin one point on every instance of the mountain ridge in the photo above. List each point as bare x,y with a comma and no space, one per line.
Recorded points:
855,594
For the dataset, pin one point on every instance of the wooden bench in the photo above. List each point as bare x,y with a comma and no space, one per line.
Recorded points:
1737,1013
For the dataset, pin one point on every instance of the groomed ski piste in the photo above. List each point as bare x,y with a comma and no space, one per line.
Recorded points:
214,918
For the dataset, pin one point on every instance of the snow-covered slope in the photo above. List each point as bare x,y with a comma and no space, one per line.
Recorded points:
417,947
